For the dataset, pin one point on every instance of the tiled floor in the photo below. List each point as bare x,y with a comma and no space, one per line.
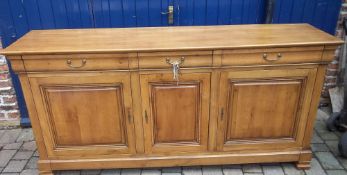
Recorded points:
18,155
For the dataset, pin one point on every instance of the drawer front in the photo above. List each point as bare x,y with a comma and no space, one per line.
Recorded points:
75,62
156,60
270,56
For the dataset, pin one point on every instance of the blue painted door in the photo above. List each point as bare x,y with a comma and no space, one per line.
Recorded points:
130,13
145,13
323,14
20,16
17,17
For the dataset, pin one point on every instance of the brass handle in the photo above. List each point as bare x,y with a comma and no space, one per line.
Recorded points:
175,66
170,14
69,63
266,58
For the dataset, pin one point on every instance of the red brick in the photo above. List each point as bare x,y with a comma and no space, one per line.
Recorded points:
333,66
5,83
4,76
7,92
330,80
2,116
13,115
10,99
331,72
8,108
3,68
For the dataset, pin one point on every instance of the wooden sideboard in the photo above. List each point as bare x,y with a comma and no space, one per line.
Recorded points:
172,96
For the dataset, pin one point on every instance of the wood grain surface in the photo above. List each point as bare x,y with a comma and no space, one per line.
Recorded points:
167,38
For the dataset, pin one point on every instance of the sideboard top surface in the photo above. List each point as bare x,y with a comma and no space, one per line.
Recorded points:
168,39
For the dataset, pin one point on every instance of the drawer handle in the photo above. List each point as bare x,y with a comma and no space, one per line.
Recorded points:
266,58
175,67
83,63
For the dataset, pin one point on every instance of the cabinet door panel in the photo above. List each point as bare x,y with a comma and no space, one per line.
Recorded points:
264,108
84,114
77,112
253,105
176,115
176,112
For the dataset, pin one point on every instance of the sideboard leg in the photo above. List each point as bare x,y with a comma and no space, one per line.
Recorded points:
303,165
44,167
45,172
304,162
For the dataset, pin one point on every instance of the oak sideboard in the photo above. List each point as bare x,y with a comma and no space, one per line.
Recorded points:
172,96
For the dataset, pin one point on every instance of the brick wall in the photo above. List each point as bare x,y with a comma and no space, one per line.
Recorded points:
9,113
332,70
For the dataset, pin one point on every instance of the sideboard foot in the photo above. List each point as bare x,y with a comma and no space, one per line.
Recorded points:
45,172
303,165
304,161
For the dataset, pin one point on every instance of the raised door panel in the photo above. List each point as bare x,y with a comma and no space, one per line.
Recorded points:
264,109
176,114
178,107
78,111
253,106
85,114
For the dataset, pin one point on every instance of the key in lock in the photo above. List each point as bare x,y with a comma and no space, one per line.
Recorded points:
175,67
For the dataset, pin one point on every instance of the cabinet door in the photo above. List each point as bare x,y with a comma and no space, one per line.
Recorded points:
264,109
175,114
84,114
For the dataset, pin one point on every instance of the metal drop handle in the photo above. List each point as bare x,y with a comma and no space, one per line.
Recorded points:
175,67
83,63
266,58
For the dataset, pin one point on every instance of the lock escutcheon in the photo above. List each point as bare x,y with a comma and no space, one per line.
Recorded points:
175,67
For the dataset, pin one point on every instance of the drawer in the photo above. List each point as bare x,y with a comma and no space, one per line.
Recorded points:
155,60
267,56
76,62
